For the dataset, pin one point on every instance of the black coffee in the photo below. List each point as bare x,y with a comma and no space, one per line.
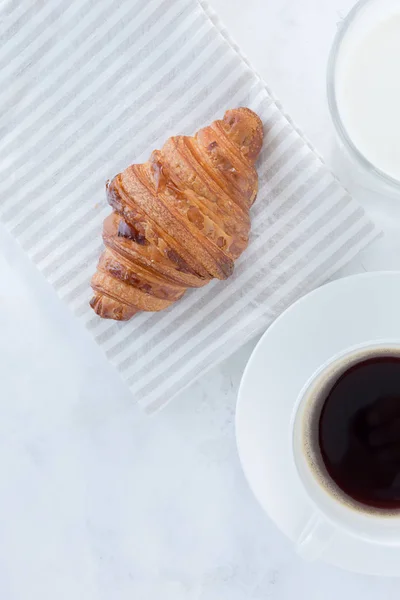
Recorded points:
359,432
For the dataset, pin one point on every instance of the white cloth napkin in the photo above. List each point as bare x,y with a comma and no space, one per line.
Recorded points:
90,86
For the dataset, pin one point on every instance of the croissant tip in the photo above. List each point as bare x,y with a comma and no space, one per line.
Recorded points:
107,308
248,112
239,122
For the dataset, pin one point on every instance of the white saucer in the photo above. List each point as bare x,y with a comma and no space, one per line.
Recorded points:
346,313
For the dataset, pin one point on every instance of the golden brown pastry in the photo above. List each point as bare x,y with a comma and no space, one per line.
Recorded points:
180,219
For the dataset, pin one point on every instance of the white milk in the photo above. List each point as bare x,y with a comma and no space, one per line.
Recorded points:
368,94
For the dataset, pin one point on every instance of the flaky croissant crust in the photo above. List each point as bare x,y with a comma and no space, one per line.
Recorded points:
180,219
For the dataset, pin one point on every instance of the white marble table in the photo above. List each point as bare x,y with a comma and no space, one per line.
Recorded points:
99,502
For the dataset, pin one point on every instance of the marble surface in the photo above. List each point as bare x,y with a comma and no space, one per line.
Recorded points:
98,501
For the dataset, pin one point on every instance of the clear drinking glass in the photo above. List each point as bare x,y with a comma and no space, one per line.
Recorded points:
353,167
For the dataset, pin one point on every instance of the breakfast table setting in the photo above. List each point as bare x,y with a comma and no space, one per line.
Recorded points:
148,454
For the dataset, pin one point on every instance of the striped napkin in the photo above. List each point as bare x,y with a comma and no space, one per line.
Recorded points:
90,86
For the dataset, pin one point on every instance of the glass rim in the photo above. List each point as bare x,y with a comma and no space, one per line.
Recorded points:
341,130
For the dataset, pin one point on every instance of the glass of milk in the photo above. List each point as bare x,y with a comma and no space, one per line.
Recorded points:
364,95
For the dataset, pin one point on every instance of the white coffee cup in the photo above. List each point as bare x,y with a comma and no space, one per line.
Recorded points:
334,510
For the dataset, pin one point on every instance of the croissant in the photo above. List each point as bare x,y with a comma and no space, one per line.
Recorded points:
180,219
